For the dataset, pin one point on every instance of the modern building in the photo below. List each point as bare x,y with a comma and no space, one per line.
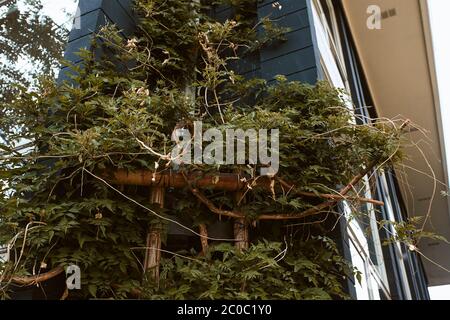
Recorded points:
381,52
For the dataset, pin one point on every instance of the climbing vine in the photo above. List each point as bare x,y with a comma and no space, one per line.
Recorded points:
69,198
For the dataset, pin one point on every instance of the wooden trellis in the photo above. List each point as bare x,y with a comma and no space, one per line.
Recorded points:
222,181
226,182
158,182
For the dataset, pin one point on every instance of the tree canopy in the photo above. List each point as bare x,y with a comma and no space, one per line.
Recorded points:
31,46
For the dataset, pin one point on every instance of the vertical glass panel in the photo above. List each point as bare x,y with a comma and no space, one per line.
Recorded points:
372,281
367,221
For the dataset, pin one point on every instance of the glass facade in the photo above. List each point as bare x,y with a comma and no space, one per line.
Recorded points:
387,272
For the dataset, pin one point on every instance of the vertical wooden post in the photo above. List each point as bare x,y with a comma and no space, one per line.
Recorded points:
240,227
241,234
204,237
153,252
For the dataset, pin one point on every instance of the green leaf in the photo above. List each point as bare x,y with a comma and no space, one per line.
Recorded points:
92,290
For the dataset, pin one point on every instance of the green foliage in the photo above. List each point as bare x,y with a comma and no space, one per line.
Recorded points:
120,110
306,271
409,232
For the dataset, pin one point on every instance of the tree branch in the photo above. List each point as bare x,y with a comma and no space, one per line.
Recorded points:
29,280
211,206
327,196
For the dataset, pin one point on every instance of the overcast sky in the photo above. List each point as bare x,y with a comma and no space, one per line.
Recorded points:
54,8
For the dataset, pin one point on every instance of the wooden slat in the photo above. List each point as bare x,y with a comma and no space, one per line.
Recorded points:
153,243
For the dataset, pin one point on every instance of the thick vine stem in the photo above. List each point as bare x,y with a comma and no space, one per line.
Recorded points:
336,196
30,280
319,208
212,207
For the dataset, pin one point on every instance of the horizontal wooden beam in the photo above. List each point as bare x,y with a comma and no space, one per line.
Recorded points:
220,181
